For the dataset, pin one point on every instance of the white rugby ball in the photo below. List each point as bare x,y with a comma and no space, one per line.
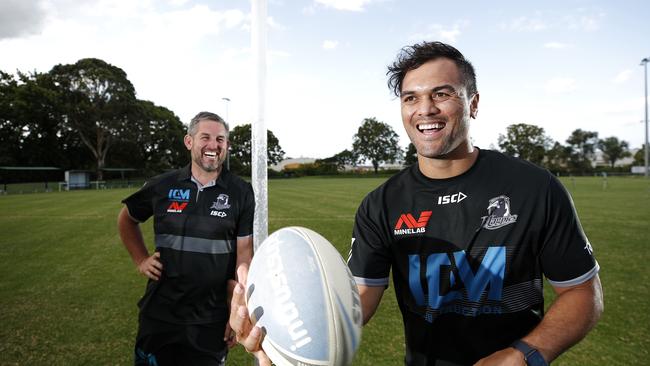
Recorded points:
302,294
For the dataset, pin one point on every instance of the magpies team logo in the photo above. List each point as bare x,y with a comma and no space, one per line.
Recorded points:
499,214
221,203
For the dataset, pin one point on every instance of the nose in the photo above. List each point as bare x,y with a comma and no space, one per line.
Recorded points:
427,107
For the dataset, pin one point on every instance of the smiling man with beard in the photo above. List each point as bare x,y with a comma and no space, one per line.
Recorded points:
203,225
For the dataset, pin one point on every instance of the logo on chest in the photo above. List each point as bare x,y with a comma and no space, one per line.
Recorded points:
407,224
219,205
499,214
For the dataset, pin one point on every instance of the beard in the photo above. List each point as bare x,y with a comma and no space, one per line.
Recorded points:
210,165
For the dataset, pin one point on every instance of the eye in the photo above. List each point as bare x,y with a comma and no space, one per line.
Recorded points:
441,95
408,99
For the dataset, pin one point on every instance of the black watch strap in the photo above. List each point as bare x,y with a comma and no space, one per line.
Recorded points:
531,355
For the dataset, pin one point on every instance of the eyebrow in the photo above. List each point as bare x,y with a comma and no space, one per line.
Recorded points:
436,89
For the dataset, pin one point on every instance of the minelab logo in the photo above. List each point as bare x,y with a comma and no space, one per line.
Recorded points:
498,214
176,207
412,226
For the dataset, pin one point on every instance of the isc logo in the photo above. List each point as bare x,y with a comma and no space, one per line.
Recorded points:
179,194
451,198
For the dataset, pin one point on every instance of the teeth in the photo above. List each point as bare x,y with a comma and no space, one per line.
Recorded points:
210,154
431,126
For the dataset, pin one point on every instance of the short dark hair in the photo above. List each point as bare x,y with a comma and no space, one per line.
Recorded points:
191,129
412,57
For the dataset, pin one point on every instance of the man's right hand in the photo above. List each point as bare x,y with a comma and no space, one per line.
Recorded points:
247,334
151,266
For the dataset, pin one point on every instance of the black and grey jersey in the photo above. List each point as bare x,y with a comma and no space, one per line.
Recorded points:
196,234
468,254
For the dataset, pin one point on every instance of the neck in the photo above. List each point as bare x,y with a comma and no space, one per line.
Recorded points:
454,164
204,177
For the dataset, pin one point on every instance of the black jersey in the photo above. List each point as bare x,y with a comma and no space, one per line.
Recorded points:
468,254
196,234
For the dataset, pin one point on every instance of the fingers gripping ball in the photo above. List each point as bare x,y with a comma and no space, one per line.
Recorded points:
302,294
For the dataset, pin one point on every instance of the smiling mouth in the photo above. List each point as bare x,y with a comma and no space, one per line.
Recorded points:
430,127
210,154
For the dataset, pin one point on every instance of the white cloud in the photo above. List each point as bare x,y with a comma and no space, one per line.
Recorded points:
586,22
560,85
623,76
525,24
330,45
349,5
555,45
441,33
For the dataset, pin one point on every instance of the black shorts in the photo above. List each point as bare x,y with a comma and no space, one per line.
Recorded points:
165,344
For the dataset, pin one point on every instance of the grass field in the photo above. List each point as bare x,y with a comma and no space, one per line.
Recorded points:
68,288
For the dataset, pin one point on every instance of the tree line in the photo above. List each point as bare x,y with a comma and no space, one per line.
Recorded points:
86,116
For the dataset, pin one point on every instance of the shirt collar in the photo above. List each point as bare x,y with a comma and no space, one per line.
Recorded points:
222,180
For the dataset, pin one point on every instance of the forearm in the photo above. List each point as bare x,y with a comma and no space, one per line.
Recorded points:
572,315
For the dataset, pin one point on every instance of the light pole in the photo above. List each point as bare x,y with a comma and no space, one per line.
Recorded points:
644,63
227,101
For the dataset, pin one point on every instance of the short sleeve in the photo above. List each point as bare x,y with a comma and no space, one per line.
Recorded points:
246,216
140,204
567,256
370,258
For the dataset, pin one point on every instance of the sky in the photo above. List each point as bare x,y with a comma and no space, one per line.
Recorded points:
560,65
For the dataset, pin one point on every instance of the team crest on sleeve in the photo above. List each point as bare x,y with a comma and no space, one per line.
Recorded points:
499,214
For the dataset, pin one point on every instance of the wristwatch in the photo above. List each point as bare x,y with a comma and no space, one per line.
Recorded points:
531,355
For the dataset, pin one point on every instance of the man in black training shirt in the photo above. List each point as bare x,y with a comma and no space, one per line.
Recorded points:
469,235
203,224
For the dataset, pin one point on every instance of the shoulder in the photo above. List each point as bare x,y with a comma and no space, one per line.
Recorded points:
499,164
163,179
237,182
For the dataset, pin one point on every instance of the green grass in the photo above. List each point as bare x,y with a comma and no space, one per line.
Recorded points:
68,289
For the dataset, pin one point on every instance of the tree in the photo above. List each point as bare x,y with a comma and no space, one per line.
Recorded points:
153,141
614,150
10,129
525,141
341,159
411,155
241,147
582,147
376,141
557,157
97,101
639,157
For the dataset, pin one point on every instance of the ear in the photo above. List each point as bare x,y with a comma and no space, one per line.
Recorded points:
473,106
188,142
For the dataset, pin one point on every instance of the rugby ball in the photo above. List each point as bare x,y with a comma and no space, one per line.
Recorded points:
303,296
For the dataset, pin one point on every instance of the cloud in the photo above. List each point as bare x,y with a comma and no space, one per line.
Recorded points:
623,76
440,33
525,24
560,85
586,22
330,45
21,18
555,45
349,5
